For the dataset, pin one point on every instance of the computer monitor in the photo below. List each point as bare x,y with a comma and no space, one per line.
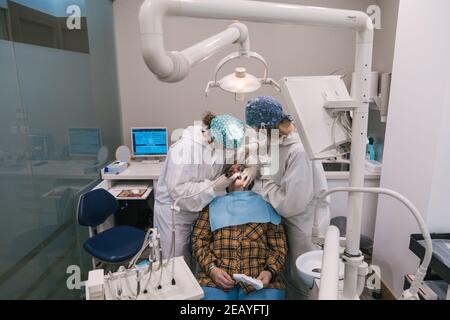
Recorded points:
85,142
149,142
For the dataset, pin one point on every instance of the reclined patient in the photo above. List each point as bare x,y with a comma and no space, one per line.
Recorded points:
240,233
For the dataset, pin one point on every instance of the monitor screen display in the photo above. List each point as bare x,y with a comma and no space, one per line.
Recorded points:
149,142
84,141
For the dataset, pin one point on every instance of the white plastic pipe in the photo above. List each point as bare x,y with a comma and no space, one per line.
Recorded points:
362,275
329,277
361,92
203,50
172,67
420,275
175,66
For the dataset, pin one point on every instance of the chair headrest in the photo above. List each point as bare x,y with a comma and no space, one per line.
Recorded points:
95,207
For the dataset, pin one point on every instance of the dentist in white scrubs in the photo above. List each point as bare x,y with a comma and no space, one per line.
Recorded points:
194,167
292,191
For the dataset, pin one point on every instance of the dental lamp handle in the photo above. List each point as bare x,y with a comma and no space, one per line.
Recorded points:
273,83
237,55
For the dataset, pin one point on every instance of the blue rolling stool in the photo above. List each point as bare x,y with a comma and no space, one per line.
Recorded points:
115,245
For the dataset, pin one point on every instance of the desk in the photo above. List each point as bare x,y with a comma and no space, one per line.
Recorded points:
43,190
67,170
137,171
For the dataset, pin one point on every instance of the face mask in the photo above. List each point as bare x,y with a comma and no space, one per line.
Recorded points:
284,137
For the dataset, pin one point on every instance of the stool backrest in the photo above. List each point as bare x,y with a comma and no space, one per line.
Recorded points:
95,207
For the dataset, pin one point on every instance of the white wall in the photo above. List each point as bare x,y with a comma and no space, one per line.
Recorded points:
439,209
384,43
289,50
383,54
417,150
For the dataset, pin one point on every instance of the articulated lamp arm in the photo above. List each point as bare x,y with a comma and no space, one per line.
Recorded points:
175,66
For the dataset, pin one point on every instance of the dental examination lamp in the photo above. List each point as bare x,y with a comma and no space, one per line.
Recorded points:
174,66
240,82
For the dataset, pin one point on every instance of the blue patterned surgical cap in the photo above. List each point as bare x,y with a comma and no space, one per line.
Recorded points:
228,130
264,112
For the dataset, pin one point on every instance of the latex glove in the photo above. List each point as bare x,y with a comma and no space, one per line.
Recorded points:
249,175
251,153
222,279
222,183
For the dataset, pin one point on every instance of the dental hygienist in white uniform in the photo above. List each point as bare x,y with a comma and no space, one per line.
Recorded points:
292,190
194,165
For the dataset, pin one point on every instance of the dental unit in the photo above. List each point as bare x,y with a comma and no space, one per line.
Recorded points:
174,66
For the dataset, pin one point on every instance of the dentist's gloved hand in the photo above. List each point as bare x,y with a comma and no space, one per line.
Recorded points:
251,154
250,174
222,183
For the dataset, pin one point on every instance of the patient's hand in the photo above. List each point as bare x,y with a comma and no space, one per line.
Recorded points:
265,277
222,279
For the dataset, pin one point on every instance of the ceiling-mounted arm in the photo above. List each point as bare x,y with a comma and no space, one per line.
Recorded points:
175,66
235,33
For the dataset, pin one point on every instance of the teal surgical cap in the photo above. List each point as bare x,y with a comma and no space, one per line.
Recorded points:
228,130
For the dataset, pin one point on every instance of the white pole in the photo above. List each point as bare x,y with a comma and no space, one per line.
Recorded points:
363,70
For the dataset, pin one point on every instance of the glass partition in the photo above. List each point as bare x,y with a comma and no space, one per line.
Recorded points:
59,125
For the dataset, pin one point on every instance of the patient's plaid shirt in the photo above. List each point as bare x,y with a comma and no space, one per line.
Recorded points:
247,249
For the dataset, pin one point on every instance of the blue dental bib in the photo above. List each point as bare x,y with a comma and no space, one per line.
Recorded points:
239,208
